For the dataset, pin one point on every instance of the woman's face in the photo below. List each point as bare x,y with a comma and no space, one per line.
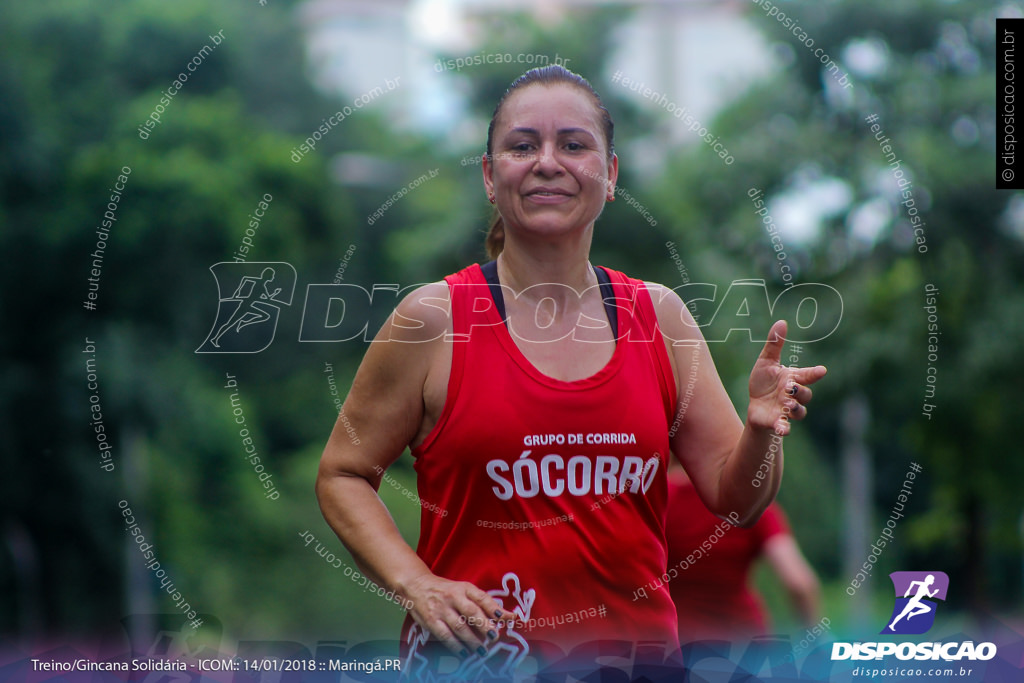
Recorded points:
550,173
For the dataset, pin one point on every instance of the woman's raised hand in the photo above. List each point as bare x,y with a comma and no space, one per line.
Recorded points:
778,393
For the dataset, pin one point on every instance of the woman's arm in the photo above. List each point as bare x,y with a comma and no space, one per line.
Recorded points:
384,411
736,466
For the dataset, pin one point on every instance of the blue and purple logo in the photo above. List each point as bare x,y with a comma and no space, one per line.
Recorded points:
916,595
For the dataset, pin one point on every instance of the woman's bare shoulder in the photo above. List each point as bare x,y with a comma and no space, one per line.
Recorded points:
423,316
674,318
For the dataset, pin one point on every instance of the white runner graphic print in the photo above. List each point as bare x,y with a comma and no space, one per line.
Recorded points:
503,656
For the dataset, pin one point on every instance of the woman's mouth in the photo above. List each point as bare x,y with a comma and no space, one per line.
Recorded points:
548,196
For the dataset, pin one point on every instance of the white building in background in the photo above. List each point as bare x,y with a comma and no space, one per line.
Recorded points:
698,53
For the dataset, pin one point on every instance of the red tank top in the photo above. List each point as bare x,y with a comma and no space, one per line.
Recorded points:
554,493
714,595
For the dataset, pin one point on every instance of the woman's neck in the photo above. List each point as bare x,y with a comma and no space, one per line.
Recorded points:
547,269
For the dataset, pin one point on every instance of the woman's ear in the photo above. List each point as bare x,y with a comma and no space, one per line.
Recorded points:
487,170
613,175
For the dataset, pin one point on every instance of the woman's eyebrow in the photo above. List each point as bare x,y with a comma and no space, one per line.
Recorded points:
569,131
561,131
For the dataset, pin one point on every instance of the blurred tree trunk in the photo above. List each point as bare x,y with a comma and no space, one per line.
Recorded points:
857,476
974,562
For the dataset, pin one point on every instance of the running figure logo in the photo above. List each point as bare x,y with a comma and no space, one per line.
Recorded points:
503,657
247,319
914,612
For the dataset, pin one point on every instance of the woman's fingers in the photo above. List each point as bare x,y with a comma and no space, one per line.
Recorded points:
491,612
469,636
809,375
444,632
788,401
477,623
458,614
800,393
795,411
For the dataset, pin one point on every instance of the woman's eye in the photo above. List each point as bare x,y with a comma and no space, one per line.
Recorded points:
522,147
574,147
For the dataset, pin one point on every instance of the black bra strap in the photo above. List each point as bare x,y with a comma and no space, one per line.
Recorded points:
608,295
490,271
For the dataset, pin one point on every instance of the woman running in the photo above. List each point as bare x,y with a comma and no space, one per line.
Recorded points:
537,393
